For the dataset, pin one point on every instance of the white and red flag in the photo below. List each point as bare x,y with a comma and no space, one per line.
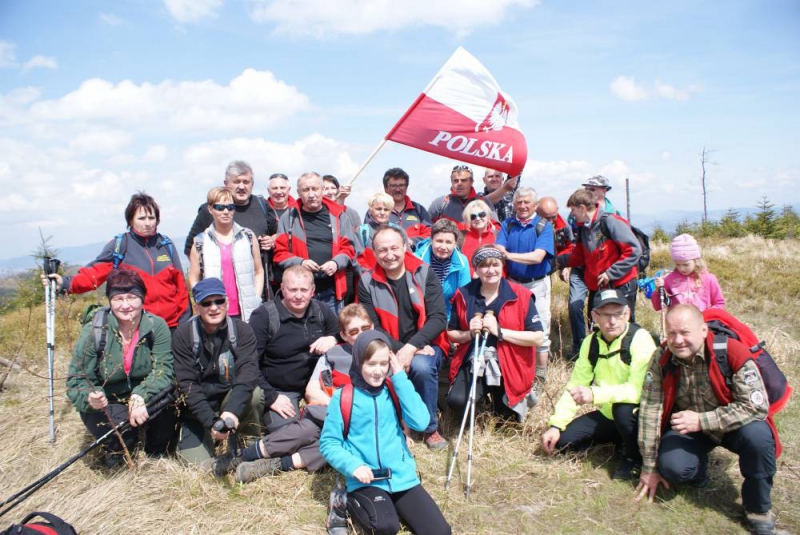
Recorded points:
463,114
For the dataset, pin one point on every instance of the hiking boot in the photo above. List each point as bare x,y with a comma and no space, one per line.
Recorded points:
336,523
628,470
250,471
435,441
113,460
762,524
224,464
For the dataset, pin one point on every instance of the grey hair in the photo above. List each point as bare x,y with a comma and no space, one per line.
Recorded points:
524,191
310,174
238,168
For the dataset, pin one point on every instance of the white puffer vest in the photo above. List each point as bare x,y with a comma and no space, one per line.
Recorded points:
243,267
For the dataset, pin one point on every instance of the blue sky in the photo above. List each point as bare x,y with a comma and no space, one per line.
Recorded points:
99,99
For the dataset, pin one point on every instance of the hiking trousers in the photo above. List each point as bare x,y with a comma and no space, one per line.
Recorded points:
379,512
684,459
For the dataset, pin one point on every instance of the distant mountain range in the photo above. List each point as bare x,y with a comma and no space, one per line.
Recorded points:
80,255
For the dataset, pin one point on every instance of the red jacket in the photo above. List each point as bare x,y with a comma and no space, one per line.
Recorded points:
384,302
414,219
738,354
156,262
517,363
291,248
615,254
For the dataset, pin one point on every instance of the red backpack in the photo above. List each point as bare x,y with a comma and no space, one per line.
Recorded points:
724,325
346,404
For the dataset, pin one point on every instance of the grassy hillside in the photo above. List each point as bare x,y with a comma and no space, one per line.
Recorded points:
516,488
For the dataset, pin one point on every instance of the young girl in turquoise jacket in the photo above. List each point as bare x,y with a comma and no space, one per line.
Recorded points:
375,442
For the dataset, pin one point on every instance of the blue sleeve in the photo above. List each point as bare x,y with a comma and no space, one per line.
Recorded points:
502,235
532,321
415,413
331,441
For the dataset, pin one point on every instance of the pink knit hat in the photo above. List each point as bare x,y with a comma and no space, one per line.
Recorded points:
684,247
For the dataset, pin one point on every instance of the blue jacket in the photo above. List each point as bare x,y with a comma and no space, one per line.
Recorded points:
375,438
458,276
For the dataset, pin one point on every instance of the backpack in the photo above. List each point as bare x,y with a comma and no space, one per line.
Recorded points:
346,405
119,251
227,365
624,350
52,525
98,316
641,237
275,320
724,326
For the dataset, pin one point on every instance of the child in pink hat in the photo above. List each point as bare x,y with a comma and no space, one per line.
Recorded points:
690,283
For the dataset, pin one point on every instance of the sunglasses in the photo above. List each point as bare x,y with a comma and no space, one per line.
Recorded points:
221,207
462,168
219,302
278,175
356,330
479,215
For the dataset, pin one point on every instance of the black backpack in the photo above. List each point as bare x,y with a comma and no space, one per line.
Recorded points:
52,525
641,237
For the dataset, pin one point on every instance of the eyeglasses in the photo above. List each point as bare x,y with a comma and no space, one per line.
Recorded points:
462,168
219,302
278,175
479,215
397,186
354,331
221,207
616,315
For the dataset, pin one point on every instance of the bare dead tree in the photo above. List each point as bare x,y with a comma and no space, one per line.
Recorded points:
705,161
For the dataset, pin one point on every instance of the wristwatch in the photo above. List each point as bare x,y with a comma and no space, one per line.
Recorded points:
499,334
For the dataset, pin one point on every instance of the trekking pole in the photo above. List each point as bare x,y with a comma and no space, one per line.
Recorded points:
662,296
159,402
50,293
470,401
468,486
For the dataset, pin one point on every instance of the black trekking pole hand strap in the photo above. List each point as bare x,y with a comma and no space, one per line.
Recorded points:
157,404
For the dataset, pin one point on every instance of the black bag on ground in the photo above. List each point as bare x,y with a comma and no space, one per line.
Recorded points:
52,525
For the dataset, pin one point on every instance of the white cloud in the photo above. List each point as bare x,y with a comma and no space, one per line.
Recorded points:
187,11
8,55
669,92
110,19
102,141
626,88
155,153
318,18
252,100
43,62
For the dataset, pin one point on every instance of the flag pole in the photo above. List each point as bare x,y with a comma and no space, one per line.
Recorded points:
365,164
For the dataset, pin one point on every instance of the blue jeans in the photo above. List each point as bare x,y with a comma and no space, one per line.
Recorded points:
577,300
424,374
328,298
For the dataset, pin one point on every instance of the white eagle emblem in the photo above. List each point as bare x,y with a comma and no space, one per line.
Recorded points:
497,118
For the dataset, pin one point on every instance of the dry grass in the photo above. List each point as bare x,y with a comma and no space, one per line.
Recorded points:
516,488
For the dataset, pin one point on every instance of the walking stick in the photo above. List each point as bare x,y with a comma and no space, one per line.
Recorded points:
662,296
50,293
477,362
154,408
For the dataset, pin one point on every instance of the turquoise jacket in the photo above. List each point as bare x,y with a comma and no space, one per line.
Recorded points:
456,278
375,438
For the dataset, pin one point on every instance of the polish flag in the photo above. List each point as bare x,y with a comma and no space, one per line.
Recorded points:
463,114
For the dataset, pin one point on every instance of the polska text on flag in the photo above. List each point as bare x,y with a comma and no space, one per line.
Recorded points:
463,114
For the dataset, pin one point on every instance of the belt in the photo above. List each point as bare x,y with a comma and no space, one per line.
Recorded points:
528,281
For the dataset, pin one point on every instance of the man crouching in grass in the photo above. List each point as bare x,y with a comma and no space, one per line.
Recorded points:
688,409
609,373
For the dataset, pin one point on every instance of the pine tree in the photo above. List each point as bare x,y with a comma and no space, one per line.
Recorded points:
765,222
730,226
789,223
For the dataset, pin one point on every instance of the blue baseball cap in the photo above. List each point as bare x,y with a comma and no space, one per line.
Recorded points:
206,288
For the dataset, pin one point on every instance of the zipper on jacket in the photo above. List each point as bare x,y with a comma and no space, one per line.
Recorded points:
377,435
